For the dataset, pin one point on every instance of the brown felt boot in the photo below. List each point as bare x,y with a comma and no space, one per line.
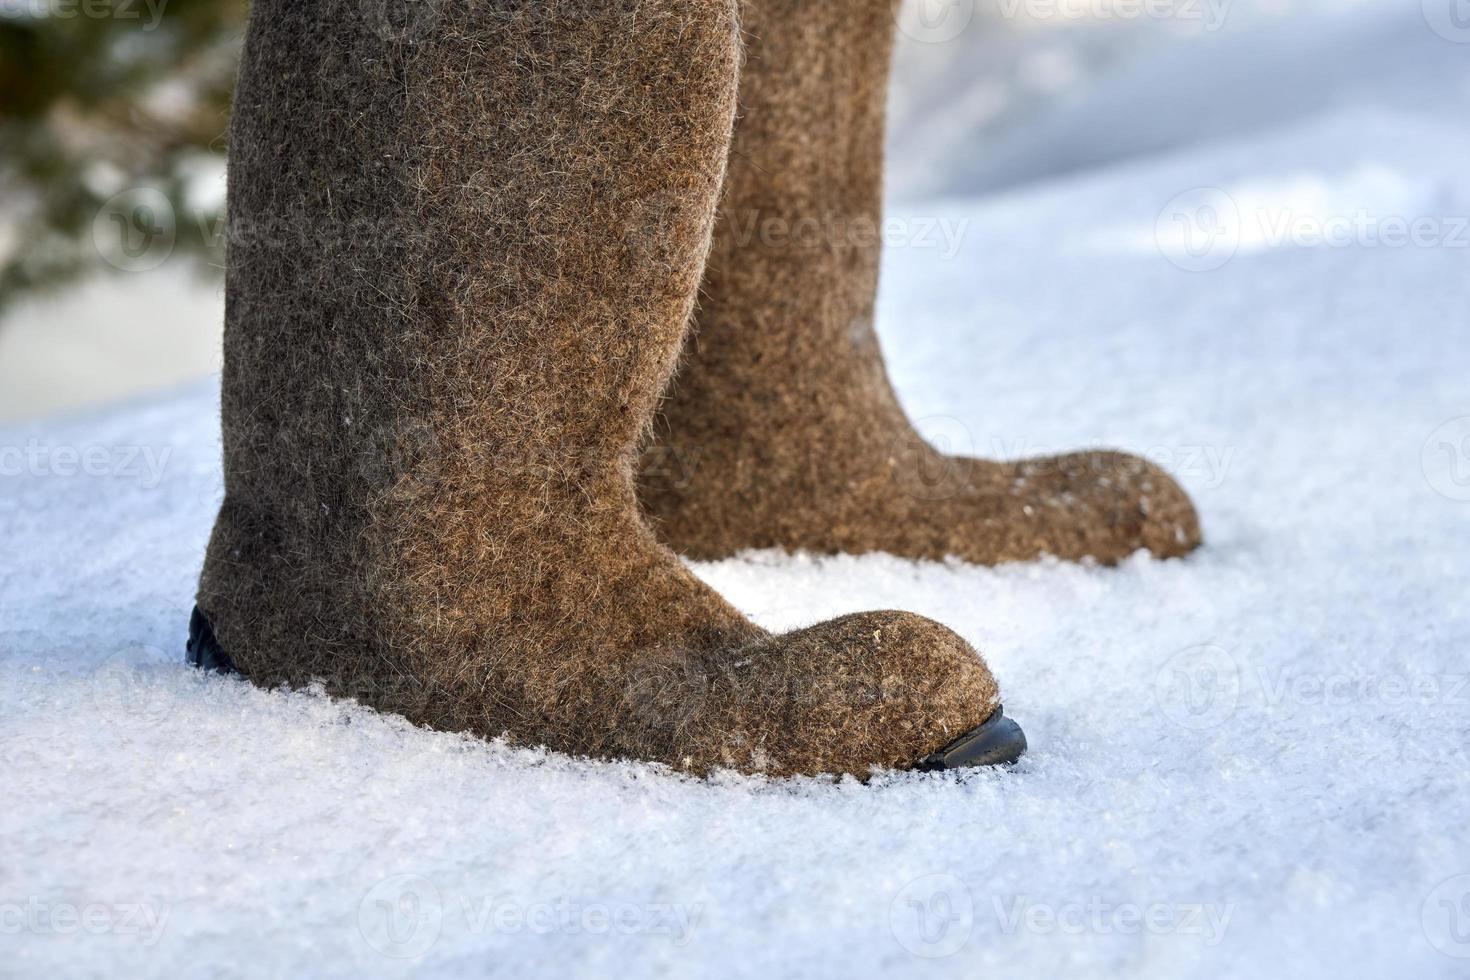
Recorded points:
781,429
464,254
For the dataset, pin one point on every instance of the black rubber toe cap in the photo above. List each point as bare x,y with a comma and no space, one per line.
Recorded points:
998,742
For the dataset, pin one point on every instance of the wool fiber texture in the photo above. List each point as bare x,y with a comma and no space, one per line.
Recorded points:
462,266
781,429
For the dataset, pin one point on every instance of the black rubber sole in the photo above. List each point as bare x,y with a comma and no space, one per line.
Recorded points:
998,742
203,649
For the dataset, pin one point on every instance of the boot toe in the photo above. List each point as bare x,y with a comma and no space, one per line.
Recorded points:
882,689
1105,506
1150,504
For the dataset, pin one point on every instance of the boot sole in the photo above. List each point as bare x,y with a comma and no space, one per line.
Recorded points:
203,650
997,742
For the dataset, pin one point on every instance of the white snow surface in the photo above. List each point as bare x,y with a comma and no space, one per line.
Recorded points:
1248,763
996,109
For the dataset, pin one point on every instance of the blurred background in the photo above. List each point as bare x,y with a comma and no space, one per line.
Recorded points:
113,115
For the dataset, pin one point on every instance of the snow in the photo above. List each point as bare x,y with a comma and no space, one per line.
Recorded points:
106,339
1251,762
996,109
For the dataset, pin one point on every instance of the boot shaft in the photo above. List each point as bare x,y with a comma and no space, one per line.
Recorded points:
464,256
812,108
437,237
785,330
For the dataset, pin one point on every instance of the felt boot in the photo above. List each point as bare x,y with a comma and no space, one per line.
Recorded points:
781,429
465,248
